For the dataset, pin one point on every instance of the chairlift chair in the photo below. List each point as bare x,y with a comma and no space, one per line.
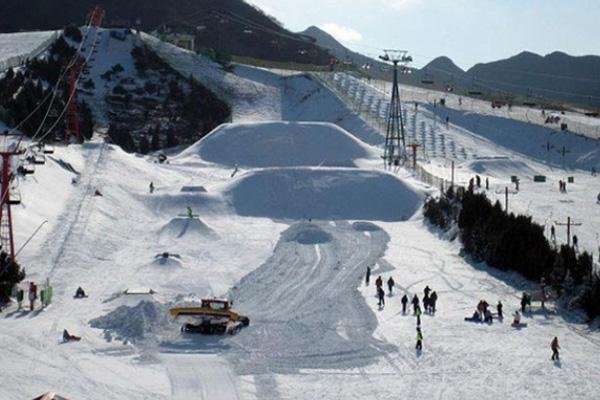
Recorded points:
15,198
48,149
39,159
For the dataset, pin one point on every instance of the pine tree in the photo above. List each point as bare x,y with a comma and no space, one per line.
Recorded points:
144,145
11,273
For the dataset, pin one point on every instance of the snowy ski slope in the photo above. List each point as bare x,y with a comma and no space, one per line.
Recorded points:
315,327
18,47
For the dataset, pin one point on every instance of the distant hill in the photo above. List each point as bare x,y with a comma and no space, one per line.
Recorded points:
231,26
557,76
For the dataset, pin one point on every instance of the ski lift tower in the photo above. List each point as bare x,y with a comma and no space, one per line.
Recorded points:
72,128
395,145
8,151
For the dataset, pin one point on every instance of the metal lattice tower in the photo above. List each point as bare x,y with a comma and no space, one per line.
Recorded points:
6,199
72,116
395,142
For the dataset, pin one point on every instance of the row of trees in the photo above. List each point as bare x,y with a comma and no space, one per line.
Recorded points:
515,242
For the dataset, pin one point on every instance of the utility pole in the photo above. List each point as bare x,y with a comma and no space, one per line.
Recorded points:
569,224
414,147
395,145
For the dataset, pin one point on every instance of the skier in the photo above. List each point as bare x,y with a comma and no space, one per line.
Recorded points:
432,300
418,313
67,337
368,275
555,347
415,303
151,187
190,212
79,293
475,318
499,309
553,233
381,296
32,295
478,181
404,302
419,346
487,184
391,284
378,282
575,243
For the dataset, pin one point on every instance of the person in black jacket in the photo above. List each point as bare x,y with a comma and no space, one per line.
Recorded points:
415,303
404,302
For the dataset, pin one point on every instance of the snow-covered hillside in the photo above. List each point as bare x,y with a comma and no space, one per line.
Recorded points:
286,218
18,47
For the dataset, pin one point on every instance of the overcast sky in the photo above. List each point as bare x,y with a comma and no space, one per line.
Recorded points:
468,31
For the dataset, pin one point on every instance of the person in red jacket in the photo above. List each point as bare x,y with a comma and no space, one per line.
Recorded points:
555,347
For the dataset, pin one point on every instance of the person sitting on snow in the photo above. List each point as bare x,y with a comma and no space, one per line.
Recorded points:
67,337
517,320
79,293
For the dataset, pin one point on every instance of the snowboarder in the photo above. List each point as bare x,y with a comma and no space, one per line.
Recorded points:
517,318
32,295
368,276
555,347
415,303
190,213
381,296
378,282
475,318
499,310
419,346
67,337
79,293
97,193
151,187
391,284
432,300
418,313
404,302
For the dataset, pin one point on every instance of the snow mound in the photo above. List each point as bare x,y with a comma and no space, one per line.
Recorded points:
501,167
193,189
190,228
306,233
134,324
166,263
279,144
365,226
325,194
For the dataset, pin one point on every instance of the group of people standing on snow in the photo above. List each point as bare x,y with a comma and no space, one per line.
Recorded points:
476,182
379,287
429,302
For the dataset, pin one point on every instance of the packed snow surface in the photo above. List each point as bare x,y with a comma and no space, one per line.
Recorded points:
277,144
331,194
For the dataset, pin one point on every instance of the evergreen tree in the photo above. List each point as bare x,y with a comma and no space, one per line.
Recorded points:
144,145
11,273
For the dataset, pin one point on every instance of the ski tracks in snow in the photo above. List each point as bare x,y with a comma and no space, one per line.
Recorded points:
200,376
